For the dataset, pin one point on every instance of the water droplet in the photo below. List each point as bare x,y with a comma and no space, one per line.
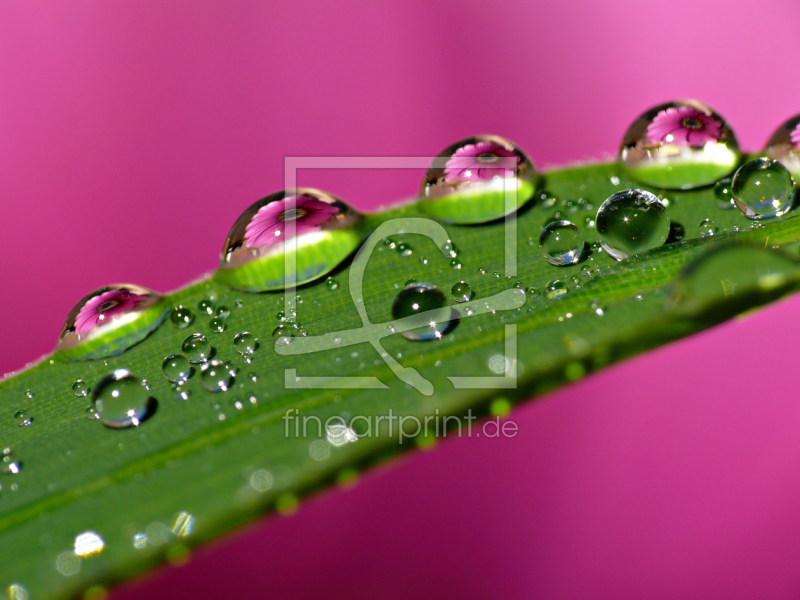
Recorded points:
450,249
28,393
223,312
88,543
420,298
289,329
244,343
183,394
784,145
216,325
182,317
217,376
109,321
206,306
679,145
722,192
763,188
176,368
405,249
183,524
708,228
197,348
470,181
561,243
533,292
455,263
22,418
327,231
630,222
462,292
121,400
556,289
17,592
80,388
331,283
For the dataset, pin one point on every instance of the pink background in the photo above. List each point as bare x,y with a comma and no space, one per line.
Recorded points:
132,133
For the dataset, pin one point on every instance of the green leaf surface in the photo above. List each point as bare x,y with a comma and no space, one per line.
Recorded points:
199,467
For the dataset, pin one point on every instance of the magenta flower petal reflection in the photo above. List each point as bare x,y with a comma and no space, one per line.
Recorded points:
679,145
110,320
477,180
784,145
318,229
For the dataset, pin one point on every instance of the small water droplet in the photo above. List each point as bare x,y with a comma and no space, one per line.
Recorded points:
197,348
784,145
420,298
630,222
450,249
216,325
22,418
722,192
206,306
121,400
533,292
331,283
88,543
455,263
708,228
556,289
80,388
561,243
217,376
183,394
244,343
763,188
182,317
223,312
462,292
176,368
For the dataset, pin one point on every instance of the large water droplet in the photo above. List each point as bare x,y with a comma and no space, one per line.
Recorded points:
561,243
784,145
121,400
182,317
630,222
462,292
763,188
245,343
679,145
420,298
478,179
217,376
326,230
176,368
197,348
109,321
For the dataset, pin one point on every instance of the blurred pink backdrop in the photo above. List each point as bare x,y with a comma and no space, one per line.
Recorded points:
672,475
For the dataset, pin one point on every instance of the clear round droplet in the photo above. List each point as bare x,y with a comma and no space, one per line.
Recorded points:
763,188
722,192
121,400
556,289
216,325
80,388
223,312
22,418
176,368
708,228
206,306
289,329
420,298
784,145
631,222
109,321
462,292
197,348
217,376
679,145
245,343
182,317
331,283
561,243
326,231
478,179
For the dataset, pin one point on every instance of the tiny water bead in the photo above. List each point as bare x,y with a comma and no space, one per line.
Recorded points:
561,243
630,222
223,312
182,317
708,228
462,292
176,368
679,145
206,306
331,283
478,179
22,418
121,400
784,145
217,376
197,348
245,343
420,298
722,192
80,388
314,230
556,289
216,325
109,321
763,188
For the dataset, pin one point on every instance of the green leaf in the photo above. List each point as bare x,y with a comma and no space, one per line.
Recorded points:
200,467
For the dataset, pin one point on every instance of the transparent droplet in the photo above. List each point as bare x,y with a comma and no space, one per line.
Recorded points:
708,228
763,188
450,249
206,306
404,249
722,192
182,317
630,222
784,145
121,400
216,325
289,329
244,343
561,243
533,292
22,418
223,312
331,283
556,289
326,231
462,292
109,321
455,263
420,298
679,145
217,376
176,368
80,388
478,179
197,348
